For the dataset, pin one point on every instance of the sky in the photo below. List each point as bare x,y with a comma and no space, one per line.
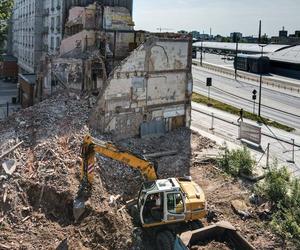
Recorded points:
222,16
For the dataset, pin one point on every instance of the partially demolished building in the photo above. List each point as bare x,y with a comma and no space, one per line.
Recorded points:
143,80
150,92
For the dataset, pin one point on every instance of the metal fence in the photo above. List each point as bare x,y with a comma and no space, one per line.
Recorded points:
6,109
285,150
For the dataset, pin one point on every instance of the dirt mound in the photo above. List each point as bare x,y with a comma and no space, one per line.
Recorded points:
36,202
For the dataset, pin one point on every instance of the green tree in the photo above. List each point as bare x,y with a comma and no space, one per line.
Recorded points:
5,13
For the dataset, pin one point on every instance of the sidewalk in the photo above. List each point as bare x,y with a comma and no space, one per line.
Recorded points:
225,132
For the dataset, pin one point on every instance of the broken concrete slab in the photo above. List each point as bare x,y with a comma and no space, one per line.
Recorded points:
240,207
9,166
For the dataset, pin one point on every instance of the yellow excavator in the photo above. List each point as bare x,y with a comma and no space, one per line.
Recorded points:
164,207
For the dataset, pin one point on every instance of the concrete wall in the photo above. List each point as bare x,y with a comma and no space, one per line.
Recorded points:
69,71
153,84
117,18
81,40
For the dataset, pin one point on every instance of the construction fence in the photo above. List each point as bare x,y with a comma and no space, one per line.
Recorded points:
268,146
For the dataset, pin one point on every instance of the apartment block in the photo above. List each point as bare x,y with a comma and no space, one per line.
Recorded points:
27,24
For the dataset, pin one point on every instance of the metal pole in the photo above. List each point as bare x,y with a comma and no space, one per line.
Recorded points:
260,81
209,94
7,109
254,107
236,53
212,121
201,56
293,157
268,155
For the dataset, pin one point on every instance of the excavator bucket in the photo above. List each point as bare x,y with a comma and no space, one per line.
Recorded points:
78,208
83,194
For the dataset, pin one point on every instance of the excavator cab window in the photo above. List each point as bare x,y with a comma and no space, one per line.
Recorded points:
153,209
175,203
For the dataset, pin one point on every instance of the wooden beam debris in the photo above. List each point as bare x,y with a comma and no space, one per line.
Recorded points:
161,154
11,149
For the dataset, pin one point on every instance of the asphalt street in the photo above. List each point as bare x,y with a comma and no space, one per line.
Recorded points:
278,106
7,91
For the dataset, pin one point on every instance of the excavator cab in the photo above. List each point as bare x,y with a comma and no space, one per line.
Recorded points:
161,202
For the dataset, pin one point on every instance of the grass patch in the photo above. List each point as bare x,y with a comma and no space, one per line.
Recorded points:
235,111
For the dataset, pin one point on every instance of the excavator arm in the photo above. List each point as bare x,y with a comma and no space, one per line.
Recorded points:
89,149
92,146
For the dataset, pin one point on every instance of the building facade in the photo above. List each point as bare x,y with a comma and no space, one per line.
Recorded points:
27,21
52,25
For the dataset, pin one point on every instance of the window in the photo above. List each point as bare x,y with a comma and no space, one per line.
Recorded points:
52,23
52,43
57,42
175,203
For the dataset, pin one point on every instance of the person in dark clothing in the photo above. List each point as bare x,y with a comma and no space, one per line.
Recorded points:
241,116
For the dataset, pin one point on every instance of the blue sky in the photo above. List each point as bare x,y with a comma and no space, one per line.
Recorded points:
223,16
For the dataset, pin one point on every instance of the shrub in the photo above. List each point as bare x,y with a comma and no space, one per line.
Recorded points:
276,184
284,194
238,161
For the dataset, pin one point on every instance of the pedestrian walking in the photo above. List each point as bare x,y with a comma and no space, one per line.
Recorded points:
241,116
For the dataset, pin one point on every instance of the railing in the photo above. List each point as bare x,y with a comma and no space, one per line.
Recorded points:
275,83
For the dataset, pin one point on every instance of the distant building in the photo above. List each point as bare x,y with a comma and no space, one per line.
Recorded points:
204,37
283,33
195,34
250,39
283,38
236,36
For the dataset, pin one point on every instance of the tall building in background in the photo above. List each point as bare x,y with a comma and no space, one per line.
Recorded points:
52,25
27,22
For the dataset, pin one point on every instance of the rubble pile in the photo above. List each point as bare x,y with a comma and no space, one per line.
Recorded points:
36,196
39,177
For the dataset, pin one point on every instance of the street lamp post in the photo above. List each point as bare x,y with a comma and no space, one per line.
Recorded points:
260,79
201,56
236,55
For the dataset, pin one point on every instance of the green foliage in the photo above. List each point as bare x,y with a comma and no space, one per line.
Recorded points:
276,184
5,12
236,162
284,193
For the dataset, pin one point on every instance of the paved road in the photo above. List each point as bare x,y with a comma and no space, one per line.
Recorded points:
239,94
224,131
7,91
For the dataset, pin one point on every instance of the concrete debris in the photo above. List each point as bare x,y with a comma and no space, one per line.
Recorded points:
40,193
9,166
113,200
240,207
11,150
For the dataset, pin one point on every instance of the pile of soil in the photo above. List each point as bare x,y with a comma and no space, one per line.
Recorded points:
36,201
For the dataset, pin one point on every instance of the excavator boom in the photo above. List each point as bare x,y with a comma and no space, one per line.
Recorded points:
90,147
